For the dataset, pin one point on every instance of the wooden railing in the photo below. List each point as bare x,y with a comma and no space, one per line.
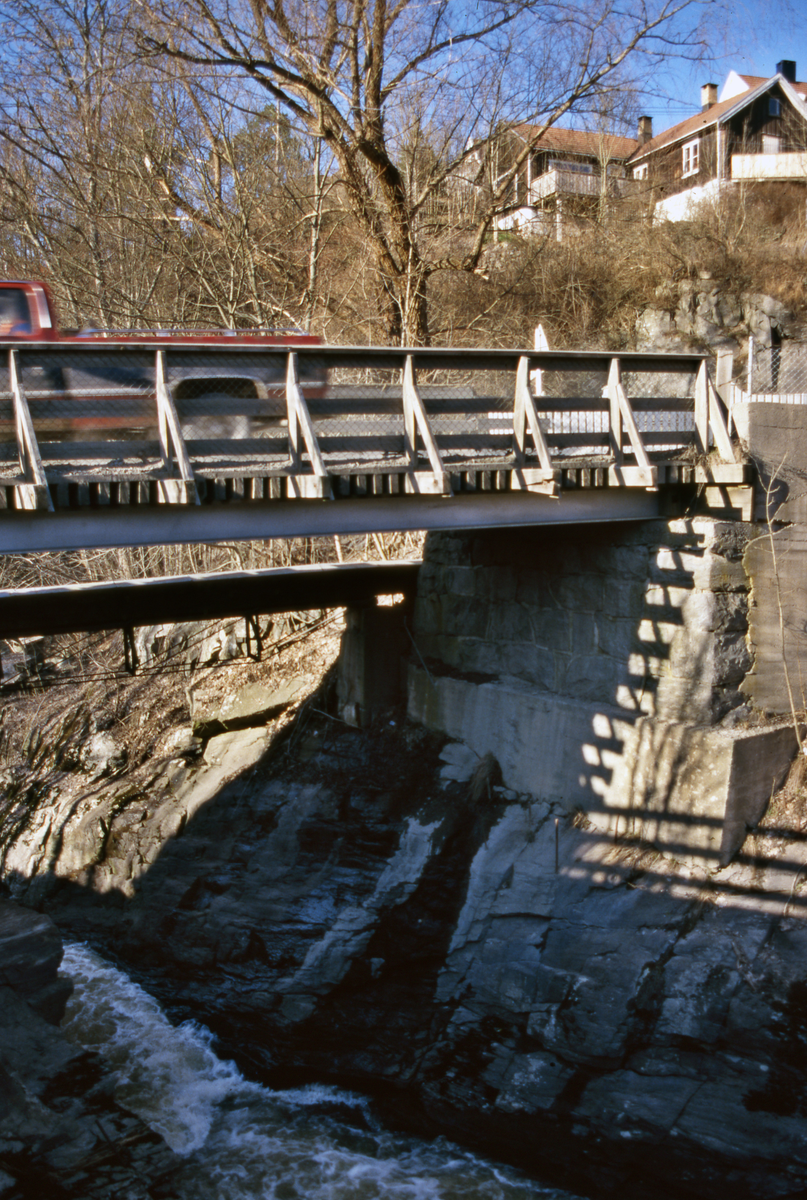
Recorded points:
574,183
114,423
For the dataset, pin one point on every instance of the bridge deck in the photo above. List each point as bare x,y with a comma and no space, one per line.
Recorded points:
99,428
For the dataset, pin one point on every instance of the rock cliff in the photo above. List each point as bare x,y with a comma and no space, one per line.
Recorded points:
705,313
349,905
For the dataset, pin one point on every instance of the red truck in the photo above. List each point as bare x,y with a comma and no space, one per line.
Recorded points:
26,311
27,314
216,394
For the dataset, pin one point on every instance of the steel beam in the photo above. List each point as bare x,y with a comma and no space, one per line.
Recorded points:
104,528
127,603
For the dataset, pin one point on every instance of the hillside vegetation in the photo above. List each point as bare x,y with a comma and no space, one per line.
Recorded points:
593,288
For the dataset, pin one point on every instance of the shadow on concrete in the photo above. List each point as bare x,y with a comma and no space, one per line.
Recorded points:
604,670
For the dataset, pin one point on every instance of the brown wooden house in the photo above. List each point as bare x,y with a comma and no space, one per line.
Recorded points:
755,132
568,174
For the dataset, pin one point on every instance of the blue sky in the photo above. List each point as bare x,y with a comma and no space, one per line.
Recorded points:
758,37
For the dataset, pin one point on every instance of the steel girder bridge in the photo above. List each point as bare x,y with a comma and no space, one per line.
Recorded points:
113,444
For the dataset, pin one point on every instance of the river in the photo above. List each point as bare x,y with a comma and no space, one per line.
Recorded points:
241,1141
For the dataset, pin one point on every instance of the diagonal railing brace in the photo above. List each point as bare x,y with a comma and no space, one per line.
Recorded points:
710,419
178,485
416,421
526,419
623,420
301,434
33,493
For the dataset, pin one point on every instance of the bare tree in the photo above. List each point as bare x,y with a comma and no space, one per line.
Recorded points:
141,192
364,75
72,186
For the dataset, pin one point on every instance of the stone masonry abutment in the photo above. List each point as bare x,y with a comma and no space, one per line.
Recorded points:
604,668
640,674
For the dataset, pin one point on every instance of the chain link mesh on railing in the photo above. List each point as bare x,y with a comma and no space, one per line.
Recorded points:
471,412
779,373
96,414
663,403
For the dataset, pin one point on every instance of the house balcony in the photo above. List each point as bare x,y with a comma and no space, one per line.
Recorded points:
760,167
557,182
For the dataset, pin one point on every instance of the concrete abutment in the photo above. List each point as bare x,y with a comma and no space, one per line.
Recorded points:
641,673
605,669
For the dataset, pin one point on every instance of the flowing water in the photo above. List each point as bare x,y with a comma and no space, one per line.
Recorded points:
241,1141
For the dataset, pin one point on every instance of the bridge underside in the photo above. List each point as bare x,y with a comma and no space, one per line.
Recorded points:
67,529
125,604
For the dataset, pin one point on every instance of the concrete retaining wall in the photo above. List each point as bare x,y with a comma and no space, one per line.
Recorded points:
776,437
606,669
693,791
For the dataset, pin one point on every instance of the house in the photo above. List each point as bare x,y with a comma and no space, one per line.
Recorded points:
568,174
755,131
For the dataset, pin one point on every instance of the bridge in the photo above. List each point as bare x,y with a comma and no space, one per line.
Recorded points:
127,603
109,443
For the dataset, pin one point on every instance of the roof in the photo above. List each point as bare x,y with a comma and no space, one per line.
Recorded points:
579,141
736,84
689,128
693,126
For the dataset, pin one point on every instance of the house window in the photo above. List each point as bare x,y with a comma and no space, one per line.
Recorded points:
640,172
771,145
691,158
579,168
774,107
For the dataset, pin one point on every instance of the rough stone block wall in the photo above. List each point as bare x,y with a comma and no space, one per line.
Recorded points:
650,618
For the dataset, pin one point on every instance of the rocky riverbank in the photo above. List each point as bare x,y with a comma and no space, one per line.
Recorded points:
61,1132
373,908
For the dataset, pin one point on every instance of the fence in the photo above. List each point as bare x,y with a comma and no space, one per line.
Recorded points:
777,374
180,419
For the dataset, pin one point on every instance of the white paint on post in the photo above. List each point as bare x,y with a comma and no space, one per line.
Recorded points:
180,486
33,493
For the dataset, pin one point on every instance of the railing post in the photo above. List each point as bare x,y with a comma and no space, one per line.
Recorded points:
525,416
644,474
724,370
416,420
292,408
723,373
301,433
702,409
710,423
34,492
409,416
615,414
180,486
718,425
537,376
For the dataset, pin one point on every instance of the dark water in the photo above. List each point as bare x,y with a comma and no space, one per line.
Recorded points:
241,1141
